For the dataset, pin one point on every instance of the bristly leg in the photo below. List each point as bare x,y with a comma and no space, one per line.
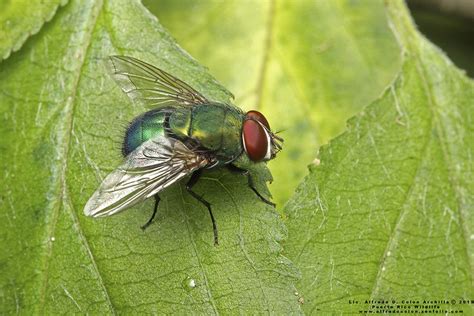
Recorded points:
250,182
157,201
192,181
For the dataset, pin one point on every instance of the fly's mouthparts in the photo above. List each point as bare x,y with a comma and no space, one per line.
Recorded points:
278,138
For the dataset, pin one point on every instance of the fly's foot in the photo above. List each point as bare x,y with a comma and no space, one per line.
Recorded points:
157,201
267,201
144,227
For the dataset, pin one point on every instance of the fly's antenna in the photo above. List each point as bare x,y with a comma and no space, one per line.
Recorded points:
280,131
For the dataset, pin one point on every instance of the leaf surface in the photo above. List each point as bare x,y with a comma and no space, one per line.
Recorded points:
307,65
388,212
20,19
62,124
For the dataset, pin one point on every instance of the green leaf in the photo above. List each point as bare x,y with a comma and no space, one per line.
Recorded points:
308,66
62,122
20,19
388,212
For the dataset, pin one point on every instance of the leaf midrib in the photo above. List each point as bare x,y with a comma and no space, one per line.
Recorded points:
447,157
411,40
403,209
64,134
436,125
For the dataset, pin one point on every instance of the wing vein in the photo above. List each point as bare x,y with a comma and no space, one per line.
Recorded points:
139,80
153,166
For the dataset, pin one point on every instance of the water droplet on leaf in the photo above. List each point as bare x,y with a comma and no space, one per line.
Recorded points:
189,283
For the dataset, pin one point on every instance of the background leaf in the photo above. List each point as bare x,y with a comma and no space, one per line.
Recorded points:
388,213
20,19
62,120
308,65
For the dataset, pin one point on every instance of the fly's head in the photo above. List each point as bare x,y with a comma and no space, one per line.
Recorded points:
260,143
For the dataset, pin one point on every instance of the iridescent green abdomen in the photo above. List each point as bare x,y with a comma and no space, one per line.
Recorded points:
143,128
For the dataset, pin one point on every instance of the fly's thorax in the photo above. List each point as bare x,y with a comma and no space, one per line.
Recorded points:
218,128
143,128
180,122
232,134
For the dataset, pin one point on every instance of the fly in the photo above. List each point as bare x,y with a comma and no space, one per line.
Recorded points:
183,134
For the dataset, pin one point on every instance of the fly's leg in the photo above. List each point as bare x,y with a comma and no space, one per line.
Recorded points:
251,184
194,179
157,201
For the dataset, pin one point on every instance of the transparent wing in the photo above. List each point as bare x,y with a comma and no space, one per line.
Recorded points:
153,166
151,86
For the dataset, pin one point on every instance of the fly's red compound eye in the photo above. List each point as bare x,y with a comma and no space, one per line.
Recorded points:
256,115
255,140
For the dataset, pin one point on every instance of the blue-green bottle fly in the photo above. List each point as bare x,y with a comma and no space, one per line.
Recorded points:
182,135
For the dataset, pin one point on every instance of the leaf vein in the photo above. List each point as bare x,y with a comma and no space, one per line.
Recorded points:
393,237
198,259
64,141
